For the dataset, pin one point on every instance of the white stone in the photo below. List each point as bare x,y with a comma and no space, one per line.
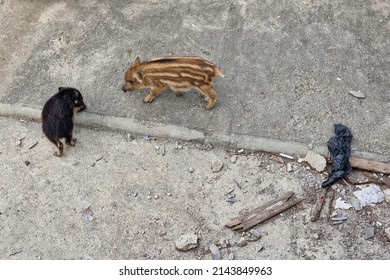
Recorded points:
315,160
187,242
289,167
216,165
357,94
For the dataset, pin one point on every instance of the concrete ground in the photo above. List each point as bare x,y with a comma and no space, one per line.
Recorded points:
289,67
121,196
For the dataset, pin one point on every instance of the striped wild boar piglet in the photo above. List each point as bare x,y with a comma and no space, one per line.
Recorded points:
180,74
58,117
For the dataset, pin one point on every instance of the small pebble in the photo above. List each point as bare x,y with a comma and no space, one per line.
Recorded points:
259,248
88,217
233,159
216,165
242,242
187,242
255,233
357,94
369,232
215,252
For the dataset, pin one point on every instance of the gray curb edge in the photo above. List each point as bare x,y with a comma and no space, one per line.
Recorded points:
134,126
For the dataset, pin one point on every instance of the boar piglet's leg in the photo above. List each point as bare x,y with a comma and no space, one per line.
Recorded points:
153,93
208,91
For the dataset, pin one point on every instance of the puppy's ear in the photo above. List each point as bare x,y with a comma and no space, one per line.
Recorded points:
60,88
137,61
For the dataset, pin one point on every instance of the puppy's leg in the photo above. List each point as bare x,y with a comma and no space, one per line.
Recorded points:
70,141
153,93
60,147
210,93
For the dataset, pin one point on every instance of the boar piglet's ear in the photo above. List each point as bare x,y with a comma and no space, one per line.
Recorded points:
139,76
60,88
137,61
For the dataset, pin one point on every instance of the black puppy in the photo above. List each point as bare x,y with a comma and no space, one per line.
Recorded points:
57,117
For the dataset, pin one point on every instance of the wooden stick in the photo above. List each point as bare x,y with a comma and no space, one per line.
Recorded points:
316,211
370,165
263,212
331,208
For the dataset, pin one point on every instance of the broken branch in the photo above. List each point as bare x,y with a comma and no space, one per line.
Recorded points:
264,212
315,213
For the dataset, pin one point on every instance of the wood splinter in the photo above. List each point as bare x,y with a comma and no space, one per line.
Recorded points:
264,212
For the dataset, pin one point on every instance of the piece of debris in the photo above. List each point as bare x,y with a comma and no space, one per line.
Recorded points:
264,212
19,142
340,204
88,215
369,232
242,242
216,254
216,165
316,210
338,219
163,151
147,138
370,165
231,199
339,147
259,247
233,159
369,195
23,121
176,145
315,160
286,156
27,163
357,94
223,243
386,194
99,158
133,194
255,233
289,167
231,256
130,137
187,242
33,145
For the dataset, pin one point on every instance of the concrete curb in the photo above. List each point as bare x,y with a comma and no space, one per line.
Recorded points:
178,132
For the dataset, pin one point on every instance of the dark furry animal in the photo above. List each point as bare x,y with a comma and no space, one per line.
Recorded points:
57,117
